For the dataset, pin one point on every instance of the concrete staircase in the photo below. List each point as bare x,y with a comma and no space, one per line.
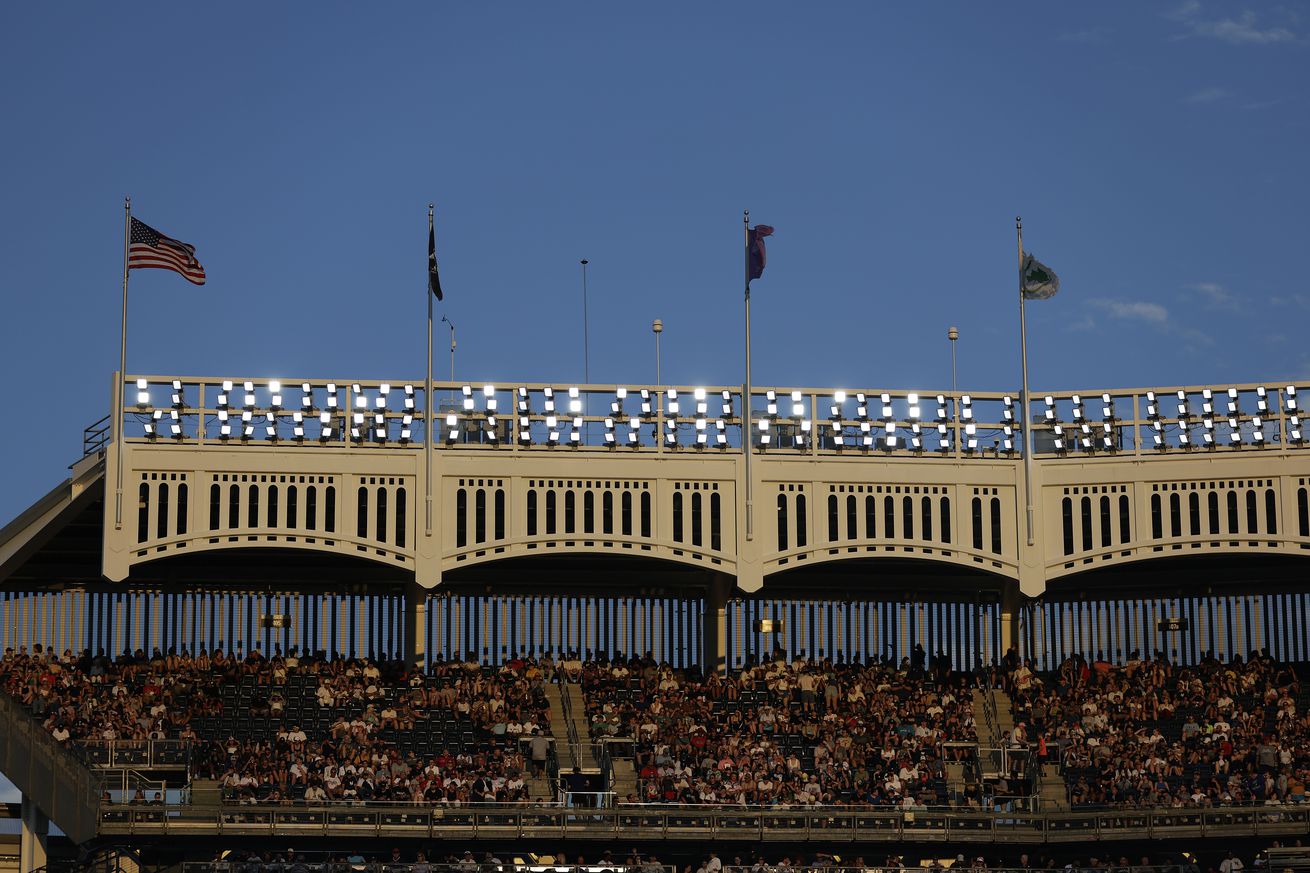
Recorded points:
1052,791
623,778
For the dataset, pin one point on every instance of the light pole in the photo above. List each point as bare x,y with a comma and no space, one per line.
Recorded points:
586,353
657,327
451,324
953,334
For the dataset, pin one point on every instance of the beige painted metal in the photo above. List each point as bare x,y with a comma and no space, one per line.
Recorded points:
814,470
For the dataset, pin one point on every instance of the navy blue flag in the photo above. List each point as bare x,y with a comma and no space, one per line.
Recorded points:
755,254
434,278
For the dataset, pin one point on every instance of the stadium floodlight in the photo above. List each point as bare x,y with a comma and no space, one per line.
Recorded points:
1183,410
702,408
525,430
764,436
151,427
971,437
332,395
861,407
866,435
467,400
943,409
1152,406
1290,392
647,406
409,398
380,402
913,410
771,404
835,408
1294,429
549,402
298,425
798,437
1258,430
1232,402
1107,438
1184,438
524,404
1208,436
1157,434
634,432
721,434
1262,400
943,437
966,407
1007,408
889,439
1107,408
250,395
406,428
179,400
1007,439
1207,404
270,426
306,397
671,407
609,431
1078,415
361,400
224,427
1234,431
1049,414
575,403
452,427
727,403
616,405
797,404
575,434
702,436
489,428
247,431
916,438
1058,432
325,426
489,404
886,406
552,430
275,395
142,393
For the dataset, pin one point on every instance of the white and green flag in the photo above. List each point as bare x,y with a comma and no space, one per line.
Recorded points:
1039,280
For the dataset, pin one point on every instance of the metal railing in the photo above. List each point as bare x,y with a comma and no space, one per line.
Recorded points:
135,754
47,772
830,826
356,864
96,436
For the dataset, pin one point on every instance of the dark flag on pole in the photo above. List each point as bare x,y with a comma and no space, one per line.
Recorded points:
755,254
434,280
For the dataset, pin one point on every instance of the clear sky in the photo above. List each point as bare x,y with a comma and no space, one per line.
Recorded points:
1157,153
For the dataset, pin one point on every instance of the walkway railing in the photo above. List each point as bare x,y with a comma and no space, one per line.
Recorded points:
136,754
830,826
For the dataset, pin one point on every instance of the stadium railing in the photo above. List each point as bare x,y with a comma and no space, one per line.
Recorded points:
701,822
357,865
136,754
47,772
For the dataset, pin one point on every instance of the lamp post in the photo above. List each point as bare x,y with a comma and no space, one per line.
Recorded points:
657,327
953,334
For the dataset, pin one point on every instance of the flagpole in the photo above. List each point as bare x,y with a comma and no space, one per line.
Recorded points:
427,407
1023,396
122,373
747,434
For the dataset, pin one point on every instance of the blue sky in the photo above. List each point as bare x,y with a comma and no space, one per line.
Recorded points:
1156,152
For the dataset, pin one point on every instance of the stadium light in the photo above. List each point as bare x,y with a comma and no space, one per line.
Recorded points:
548,403
1107,408
223,395
452,427
647,407
634,432
771,402
409,399
609,431
275,395
298,426
1050,415
727,404
179,399
1290,392
306,397
467,401
250,395
142,393
671,407
332,396
575,403
151,427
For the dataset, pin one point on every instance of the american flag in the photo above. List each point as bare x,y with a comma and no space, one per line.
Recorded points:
151,249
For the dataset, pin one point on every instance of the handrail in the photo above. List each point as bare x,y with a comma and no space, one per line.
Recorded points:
48,772
701,823
96,436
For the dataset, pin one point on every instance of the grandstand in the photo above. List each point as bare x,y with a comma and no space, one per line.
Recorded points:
267,615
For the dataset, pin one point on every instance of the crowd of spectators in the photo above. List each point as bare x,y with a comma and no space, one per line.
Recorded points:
1150,733
358,745
795,732
789,731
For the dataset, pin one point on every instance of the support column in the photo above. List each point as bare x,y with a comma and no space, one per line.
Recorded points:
714,632
35,832
416,624
1011,600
